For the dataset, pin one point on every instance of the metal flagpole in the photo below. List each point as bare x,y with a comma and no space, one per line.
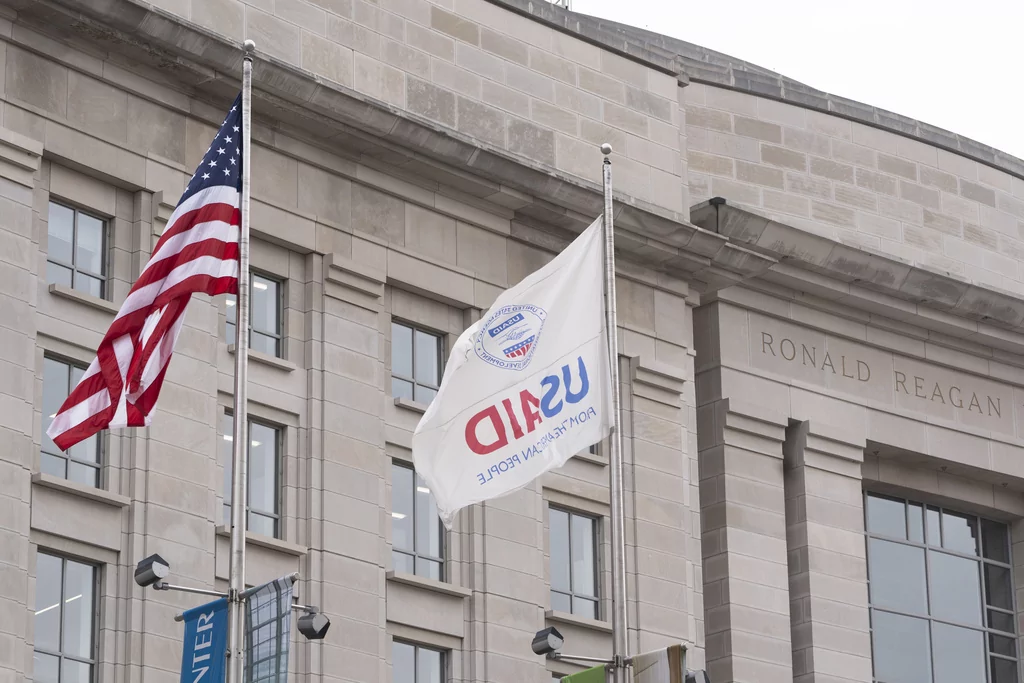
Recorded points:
240,452
620,624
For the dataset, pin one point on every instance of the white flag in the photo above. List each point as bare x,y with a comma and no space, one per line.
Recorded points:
526,387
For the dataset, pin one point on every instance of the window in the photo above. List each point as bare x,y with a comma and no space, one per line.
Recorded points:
264,465
941,595
415,664
415,363
65,621
81,464
573,563
76,250
264,316
416,530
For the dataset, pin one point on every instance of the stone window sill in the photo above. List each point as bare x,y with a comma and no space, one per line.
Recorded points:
267,542
99,495
81,297
410,405
587,456
583,622
265,359
429,584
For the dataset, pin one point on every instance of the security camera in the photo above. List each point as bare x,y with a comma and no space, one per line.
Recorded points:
151,570
314,625
547,641
699,676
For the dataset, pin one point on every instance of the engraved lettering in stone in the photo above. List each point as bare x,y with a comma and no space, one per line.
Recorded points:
843,365
766,342
863,371
919,387
810,355
792,349
958,402
996,405
938,392
901,381
974,402
828,363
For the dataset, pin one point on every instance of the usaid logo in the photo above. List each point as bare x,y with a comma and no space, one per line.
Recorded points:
509,337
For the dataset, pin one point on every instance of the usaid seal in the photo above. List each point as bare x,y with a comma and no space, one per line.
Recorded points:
509,337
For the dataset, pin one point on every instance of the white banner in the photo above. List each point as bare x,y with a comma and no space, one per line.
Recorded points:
525,388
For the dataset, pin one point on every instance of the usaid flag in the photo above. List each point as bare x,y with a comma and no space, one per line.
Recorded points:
206,643
525,388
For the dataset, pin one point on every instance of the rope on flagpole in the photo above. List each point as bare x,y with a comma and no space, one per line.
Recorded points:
620,622
240,450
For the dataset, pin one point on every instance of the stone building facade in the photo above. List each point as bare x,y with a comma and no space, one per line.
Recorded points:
820,311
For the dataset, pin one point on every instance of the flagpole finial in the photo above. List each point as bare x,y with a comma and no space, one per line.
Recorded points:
606,149
249,46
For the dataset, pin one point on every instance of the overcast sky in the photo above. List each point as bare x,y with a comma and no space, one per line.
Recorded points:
957,65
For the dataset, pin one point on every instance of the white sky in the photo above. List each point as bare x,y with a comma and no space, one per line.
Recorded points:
956,65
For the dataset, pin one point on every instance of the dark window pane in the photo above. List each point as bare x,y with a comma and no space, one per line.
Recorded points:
994,541
403,663
560,602
958,654
425,394
227,427
89,244
915,522
959,532
582,607
264,344
428,568
226,521
428,524
1002,645
427,354
401,389
899,647
1003,671
58,275
1000,621
265,301
886,516
933,526
45,668
402,532
231,314
90,285
53,465
401,350
263,525
87,450
403,563
263,468
896,574
428,666
83,474
955,588
583,555
75,672
559,521
79,581
48,602
998,588
60,233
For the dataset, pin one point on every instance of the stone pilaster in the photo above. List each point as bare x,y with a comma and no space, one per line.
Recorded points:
19,162
746,579
827,562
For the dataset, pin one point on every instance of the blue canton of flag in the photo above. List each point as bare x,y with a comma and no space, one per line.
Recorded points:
222,163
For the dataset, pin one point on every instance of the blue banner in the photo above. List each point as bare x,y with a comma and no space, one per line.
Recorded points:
204,655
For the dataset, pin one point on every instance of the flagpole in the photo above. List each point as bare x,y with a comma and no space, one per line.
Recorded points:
620,623
240,443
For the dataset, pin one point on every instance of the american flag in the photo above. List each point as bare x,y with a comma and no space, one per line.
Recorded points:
197,253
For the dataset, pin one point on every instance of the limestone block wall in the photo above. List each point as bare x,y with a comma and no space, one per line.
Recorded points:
861,185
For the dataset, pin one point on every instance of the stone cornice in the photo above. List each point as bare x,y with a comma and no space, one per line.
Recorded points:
871,281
